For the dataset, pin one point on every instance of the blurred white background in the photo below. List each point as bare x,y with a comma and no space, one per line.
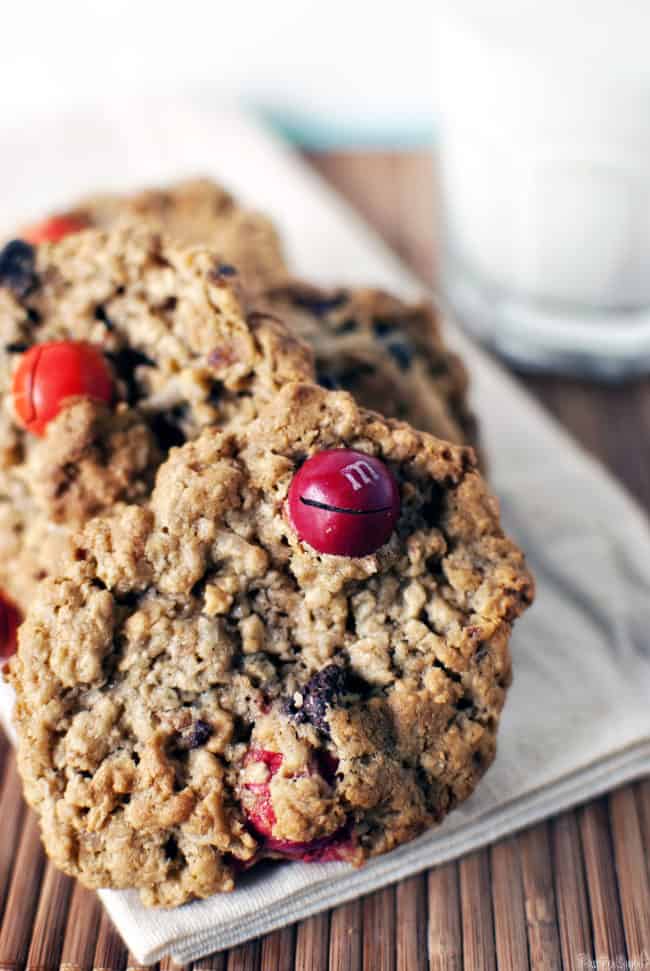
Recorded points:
345,70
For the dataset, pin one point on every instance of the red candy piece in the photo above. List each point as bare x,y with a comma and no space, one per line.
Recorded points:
48,374
53,229
261,816
344,503
10,620
260,813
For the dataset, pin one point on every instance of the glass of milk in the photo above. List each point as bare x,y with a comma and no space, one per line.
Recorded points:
545,165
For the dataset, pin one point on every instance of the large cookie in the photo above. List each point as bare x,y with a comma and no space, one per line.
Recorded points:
199,688
389,354
195,212
183,352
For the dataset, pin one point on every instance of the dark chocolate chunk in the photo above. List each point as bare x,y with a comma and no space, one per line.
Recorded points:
225,269
432,510
17,268
348,326
383,328
349,377
321,691
102,316
125,361
401,352
201,732
166,430
317,304
195,737
327,381
170,848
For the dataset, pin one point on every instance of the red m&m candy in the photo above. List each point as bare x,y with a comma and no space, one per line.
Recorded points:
260,813
10,620
48,374
52,230
258,805
344,503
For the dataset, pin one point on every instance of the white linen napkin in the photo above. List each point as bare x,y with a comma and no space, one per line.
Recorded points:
577,720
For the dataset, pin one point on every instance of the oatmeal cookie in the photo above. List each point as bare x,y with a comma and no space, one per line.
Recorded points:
389,354
194,212
200,688
180,348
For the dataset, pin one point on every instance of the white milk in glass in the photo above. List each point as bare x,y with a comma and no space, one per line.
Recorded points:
545,163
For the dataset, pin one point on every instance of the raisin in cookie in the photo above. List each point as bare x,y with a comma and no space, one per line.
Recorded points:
389,354
181,351
195,212
200,688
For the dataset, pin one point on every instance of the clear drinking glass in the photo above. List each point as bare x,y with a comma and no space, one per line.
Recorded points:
545,168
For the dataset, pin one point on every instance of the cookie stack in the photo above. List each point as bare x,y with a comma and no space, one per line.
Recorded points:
267,598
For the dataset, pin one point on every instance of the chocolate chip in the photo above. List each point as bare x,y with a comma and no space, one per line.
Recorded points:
321,692
317,304
431,511
397,346
383,328
17,347
201,732
166,431
170,848
225,269
102,317
17,272
327,381
125,361
129,599
349,377
348,326
196,736
402,353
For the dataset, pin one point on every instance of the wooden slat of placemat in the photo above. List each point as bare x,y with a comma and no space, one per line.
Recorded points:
411,929
539,899
18,919
601,881
278,949
12,810
445,936
574,923
84,915
477,920
632,871
50,922
557,895
508,905
346,924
